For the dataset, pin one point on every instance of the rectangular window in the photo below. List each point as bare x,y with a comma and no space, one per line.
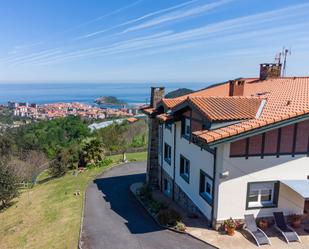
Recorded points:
262,194
186,128
167,187
160,145
185,168
167,153
206,187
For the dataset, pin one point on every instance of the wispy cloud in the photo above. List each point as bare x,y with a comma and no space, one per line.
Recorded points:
256,28
109,14
177,15
136,19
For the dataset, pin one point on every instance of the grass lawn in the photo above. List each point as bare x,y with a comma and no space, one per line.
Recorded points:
49,215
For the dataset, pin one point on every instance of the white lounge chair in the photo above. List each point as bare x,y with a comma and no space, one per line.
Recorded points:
259,236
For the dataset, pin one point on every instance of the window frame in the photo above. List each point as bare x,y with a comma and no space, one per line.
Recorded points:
259,203
202,187
166,153
167,187
185,123
183,167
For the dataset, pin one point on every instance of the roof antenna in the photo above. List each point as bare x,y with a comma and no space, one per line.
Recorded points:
285,53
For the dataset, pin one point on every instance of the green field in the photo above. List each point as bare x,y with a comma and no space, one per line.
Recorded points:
49,215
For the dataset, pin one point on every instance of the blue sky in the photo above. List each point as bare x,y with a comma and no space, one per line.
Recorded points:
147,40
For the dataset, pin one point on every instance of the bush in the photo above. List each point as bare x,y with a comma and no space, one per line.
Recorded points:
180,226
8,185
168,217
145,193
156,206
106,162
58,167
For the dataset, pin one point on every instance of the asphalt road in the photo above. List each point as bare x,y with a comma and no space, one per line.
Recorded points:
113,219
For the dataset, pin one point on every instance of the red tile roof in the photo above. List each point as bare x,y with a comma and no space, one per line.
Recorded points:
171,103
227,108
286,98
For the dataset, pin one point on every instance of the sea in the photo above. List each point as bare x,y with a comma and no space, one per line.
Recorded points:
131,93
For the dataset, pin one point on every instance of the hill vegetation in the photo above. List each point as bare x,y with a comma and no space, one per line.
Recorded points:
49,214
60,145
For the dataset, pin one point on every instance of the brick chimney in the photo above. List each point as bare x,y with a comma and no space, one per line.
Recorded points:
157,93
237,87
270,70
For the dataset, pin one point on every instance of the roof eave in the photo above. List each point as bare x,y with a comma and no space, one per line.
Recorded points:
256,131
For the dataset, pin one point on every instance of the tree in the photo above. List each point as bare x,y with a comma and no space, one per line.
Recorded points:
8,184
6,145
92,152
58,167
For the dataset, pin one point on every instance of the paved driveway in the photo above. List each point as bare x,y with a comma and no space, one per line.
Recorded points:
113,219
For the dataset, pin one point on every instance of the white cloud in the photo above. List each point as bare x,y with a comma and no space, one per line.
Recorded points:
268,26
177,15
136,19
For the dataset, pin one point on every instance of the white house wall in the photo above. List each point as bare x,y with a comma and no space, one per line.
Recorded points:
232,191
199,159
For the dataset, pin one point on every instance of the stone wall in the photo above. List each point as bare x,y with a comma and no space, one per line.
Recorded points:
186,203
153,171
152,176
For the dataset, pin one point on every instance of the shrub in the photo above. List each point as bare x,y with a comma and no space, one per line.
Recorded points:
145,193
58,166
8,185
180,226
168,217
106,162
156,206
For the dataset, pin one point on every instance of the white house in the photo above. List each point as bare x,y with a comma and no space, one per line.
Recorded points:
234,148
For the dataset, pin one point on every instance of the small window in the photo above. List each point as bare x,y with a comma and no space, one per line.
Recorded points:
206,187
185,168
168,126
167,153
262,194
186,128
167,187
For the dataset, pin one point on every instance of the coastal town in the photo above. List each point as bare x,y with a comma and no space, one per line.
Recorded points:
58,110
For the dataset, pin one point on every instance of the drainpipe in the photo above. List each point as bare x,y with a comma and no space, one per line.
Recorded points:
174,164
161,156
213,188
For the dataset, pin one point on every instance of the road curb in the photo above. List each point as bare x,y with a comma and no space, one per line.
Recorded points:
162,226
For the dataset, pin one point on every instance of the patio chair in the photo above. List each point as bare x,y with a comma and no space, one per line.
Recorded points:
258,234
288,232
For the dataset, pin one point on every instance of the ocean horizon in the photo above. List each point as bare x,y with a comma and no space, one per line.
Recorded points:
131,93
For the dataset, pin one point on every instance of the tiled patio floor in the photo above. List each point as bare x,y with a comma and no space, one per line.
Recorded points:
241,239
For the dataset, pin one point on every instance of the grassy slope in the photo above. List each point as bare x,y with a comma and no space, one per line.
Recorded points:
49,215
